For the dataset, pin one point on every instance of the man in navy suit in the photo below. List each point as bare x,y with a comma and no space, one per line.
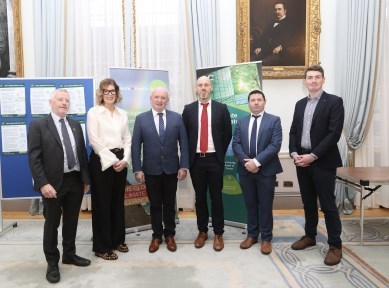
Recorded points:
208,143
256,143
316,128
160,131
61,175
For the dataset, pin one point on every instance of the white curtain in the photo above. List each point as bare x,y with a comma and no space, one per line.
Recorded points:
78,38
49,35
205,32
374,151
94,37
162,43
359,48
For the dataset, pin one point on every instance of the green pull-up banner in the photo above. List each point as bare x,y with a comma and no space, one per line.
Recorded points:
231,86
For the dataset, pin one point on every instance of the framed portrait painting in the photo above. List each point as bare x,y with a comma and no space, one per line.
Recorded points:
284,35
11,55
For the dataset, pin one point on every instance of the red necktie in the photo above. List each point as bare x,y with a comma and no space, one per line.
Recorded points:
204,129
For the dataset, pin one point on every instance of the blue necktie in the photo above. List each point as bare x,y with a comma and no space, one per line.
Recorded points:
68,145
161,128
253,138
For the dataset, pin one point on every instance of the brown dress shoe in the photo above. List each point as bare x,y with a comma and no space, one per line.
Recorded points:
170,243
303,243
154,245
248,242
333,256
200,240
218,243
266,247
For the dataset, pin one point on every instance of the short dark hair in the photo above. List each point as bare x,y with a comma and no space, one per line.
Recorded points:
256,92
282,3
315,67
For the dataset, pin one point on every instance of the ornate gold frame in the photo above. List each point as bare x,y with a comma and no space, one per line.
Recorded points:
313,28
18,38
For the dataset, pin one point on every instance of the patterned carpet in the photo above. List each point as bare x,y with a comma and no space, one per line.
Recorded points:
22,263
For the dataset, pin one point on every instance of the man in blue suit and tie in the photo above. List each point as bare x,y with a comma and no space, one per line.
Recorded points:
256,143
160,131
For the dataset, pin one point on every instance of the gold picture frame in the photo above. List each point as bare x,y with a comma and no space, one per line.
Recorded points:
18,38
244,38
11,39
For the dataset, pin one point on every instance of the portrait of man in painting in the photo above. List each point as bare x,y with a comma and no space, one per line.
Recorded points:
4,44
278,32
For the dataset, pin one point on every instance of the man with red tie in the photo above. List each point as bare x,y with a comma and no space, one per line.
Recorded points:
208,125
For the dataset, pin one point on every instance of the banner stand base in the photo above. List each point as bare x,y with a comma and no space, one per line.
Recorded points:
13,225
235,224
143,228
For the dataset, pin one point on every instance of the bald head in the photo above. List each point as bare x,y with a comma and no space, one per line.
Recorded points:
204,89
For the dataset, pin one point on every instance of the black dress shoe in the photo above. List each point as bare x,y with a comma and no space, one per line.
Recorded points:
76,260
52,274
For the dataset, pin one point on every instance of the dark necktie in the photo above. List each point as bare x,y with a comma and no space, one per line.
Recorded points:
204,129
68,145
161,128
253,138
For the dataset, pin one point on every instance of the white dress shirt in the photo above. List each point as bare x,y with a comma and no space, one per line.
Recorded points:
108,130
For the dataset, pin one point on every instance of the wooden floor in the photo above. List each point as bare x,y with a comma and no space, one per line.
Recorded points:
376,212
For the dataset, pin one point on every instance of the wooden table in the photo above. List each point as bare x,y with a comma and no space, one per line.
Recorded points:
363,179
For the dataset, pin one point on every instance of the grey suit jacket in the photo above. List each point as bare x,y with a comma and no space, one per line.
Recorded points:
268,144
159,157
46,155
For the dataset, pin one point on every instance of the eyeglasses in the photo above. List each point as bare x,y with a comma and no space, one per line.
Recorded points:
107,92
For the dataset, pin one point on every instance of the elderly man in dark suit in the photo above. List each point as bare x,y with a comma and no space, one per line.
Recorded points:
256,143
272,45
160,131
208,124
316,128
59,167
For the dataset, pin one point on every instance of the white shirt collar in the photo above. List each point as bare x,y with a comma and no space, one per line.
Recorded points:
209,103
56,118
155,113
261,114
102,109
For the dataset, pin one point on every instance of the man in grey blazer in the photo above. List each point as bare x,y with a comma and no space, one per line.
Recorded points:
59,166
160,132
256,143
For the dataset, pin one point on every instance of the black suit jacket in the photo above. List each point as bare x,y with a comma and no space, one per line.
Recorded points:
221,128
275,36
46,155
326,129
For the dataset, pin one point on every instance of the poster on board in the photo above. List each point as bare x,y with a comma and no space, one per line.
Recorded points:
231,86
136,86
